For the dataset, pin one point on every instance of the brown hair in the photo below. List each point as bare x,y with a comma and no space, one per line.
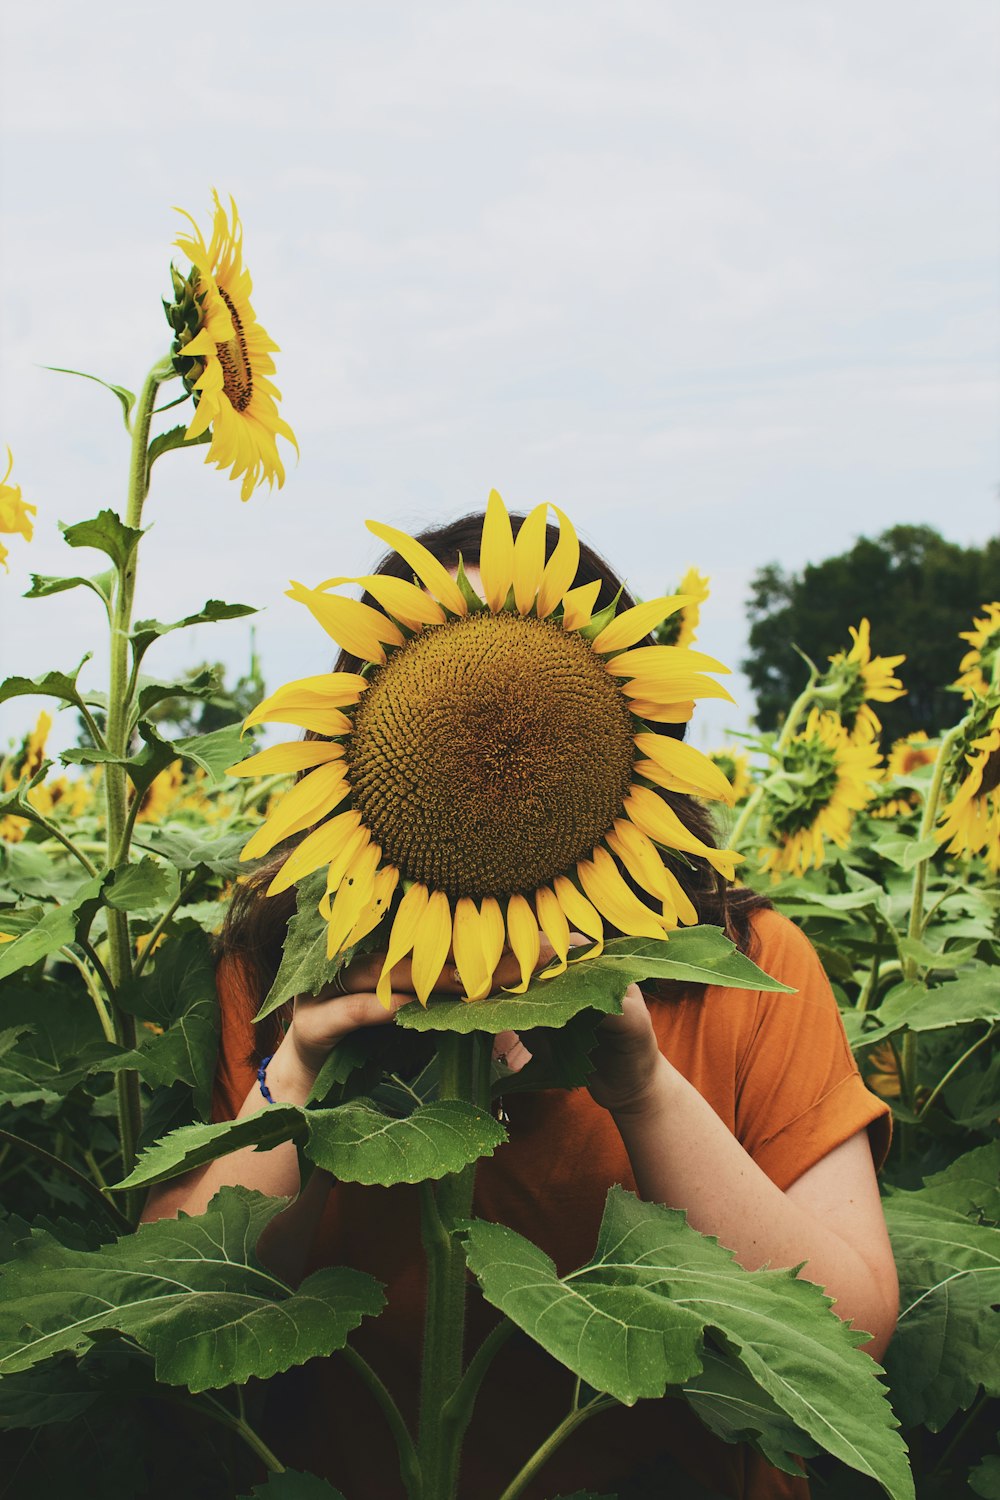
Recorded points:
255,925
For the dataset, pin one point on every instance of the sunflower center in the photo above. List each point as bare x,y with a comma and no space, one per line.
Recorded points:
490,754
234,357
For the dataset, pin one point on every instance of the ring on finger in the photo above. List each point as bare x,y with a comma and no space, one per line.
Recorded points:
339,983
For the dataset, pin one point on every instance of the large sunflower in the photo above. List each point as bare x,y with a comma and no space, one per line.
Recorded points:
862,678
224,355
491,773
971,819
977,665
15,513
906,756
813,795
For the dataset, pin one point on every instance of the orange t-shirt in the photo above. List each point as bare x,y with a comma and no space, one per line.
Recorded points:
775,1068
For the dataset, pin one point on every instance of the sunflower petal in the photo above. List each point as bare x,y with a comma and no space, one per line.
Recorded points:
675,689
553,923
523,932
356,627
686,763
353,897
529,558
406,603
326,721
580,913
662,713
632,624
467,943
654,817
386,882
560,570
277,760
353,845
680,902
317,849
578,605
662,661
316,795
432,574
640,857
430,947
492,933
496,553
607,890
409,916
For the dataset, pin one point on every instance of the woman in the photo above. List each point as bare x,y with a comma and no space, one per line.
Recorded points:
744,1109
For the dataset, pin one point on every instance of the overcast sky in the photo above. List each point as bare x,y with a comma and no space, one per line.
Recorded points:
719,280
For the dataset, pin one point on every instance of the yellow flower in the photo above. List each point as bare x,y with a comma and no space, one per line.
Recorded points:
882,1071
971,819
860,677
15,513
977,666
25,764
813,795
491,765
735,767
681,628
6,937
905,757
224,355
161,794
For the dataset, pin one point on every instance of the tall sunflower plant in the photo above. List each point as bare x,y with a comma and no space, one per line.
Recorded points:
479,707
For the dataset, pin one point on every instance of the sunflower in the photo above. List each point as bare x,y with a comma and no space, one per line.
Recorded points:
15,513
491,773
224,355
161,794
977,666
858,677
735,767
24,764
821,782
680,628
971,819
906,756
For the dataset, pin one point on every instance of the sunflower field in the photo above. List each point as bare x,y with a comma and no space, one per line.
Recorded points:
147,1358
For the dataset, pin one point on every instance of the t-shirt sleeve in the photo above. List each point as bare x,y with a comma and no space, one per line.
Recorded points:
235,1073
799,1091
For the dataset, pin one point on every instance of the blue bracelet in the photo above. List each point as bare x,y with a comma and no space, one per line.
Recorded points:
262,1079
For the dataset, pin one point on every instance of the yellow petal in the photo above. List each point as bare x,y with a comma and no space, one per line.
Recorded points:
555,926
316,849
662,713
523,932
353,897
356,627
496,553
580,913
529,558
654,817
277,760
386,882
404,930
312,798
404,601
607,890
431,944
686,763
432,574
640,857
662,661
680,902
469,953
560,570
578,605
330,690
491,930
677,688
630,626
353,845
326,721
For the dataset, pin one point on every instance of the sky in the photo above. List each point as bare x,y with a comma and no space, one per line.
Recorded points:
718,280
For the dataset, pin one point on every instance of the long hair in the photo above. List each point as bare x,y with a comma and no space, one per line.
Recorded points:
256,924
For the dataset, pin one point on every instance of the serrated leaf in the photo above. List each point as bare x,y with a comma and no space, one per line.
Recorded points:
190,1291
136,887
970,1185
974,996
192,849
631,1323
192,1146
145,632
357,1143
304,967
696,955
166,442
904,852
214,751
126,398
61,1040
108,533
293,1484
929,958
61,685
732,1405
43,586
984,1479
54,930
204,684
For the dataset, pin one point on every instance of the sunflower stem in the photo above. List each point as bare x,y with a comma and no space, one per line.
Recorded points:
795,716
464,1074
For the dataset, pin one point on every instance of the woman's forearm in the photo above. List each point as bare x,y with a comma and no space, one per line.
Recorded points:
683,1156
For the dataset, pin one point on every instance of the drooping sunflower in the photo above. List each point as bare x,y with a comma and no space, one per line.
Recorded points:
971,818
906,756
735,767
15,513
224,355
978,665
823,779
681,628
861,679
491,773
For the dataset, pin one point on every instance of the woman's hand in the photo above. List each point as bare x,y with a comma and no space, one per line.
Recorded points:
627,1057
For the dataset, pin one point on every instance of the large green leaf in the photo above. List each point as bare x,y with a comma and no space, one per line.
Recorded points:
151,690
54,930
192,1146
193,849
694,955
293,1484
141,886
631,1323
57,1391
145,632
304,968
731,1404
971,1185
108,533
61,1040
973,996
179,996
213,752
191,1291
43,586
61,685
947,1341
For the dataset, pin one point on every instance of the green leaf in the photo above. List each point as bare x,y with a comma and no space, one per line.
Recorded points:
54,930
108,533
191,1291
732,1405
929,958
631,1322
970,1186
985,1477
54,1392
43,586
304,967
293,1484
357,1143
61,1040
974,996
179,995
193,849
904,852
947,1340
126,398
60,685
145,632
472,599
694,955
193,1145
166,442
213,752
204,684
600,620
136,887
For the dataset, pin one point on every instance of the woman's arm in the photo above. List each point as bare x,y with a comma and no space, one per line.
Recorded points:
684,1156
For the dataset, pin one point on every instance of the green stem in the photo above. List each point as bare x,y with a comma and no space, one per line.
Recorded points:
85,1185
213,1409
573,1419
144,956
458,1409
56,833
865,997
409,1466
943,1082
791,724
103,1014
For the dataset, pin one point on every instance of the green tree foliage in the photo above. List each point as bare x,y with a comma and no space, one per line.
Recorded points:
917,589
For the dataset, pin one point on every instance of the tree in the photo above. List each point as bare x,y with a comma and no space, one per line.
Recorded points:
917,589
